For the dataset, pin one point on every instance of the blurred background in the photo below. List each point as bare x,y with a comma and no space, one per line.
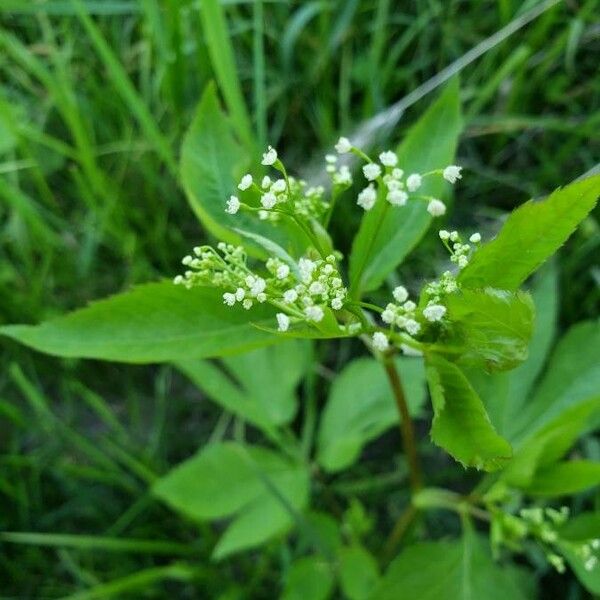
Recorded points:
95,97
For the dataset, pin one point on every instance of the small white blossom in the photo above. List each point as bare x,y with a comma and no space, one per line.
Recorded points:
388,159
258,286
343,145
436,208
337,304
269,157
397,197
397,173
245,182
233,205
306,268
247,304
331,159
187,260
380,341
590,563
434,312
413,182
178,280
228,299
412,327
475,238
266,182
314,313
393,184
283,321
444,235
282,271
409,306
366,198
279,186
268,200
454,237
240,294
290,296
316,288
388,315
595,543
343,176
463,261
452,173
372,171
400,294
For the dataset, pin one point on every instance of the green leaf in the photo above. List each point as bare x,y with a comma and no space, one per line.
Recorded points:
259,386
490,328
565,478
359,572
387,234
309,578
361,406
531,234
261,488
456,570
572,377
460,424
582,528
156,322
545,446
505,394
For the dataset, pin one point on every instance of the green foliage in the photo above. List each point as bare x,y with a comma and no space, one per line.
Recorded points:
457,570
360,407
359,572
531,234
156,322
565,478
262,490
490,328
460,424
308,578
386,235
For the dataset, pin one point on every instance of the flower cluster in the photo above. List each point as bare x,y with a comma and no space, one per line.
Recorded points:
302,291
387,179
459,253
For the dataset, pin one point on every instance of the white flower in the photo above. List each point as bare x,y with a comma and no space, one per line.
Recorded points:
262,297
240,294
282,271
283,321
444,235
412,327
268,200
397,173
463,261
434,312
178,280
245,182
306,268
331,159
400,294
233,205
397,197
475,238
388,315
452,173
263,215
314,313
269,157
247,304
393,184
258,286
409,306
266,182
343,145
413,182
228,299
187,260
372,171
366,198
316,288
279,186
380,341
436,208
343,176
290,296
388,159
590,563
337,304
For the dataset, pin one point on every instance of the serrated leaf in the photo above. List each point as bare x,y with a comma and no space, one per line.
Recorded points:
155,322
361,406
455,570
230,479
387,234
531,234
460,424
491,328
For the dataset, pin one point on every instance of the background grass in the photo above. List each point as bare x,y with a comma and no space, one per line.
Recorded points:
94,100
